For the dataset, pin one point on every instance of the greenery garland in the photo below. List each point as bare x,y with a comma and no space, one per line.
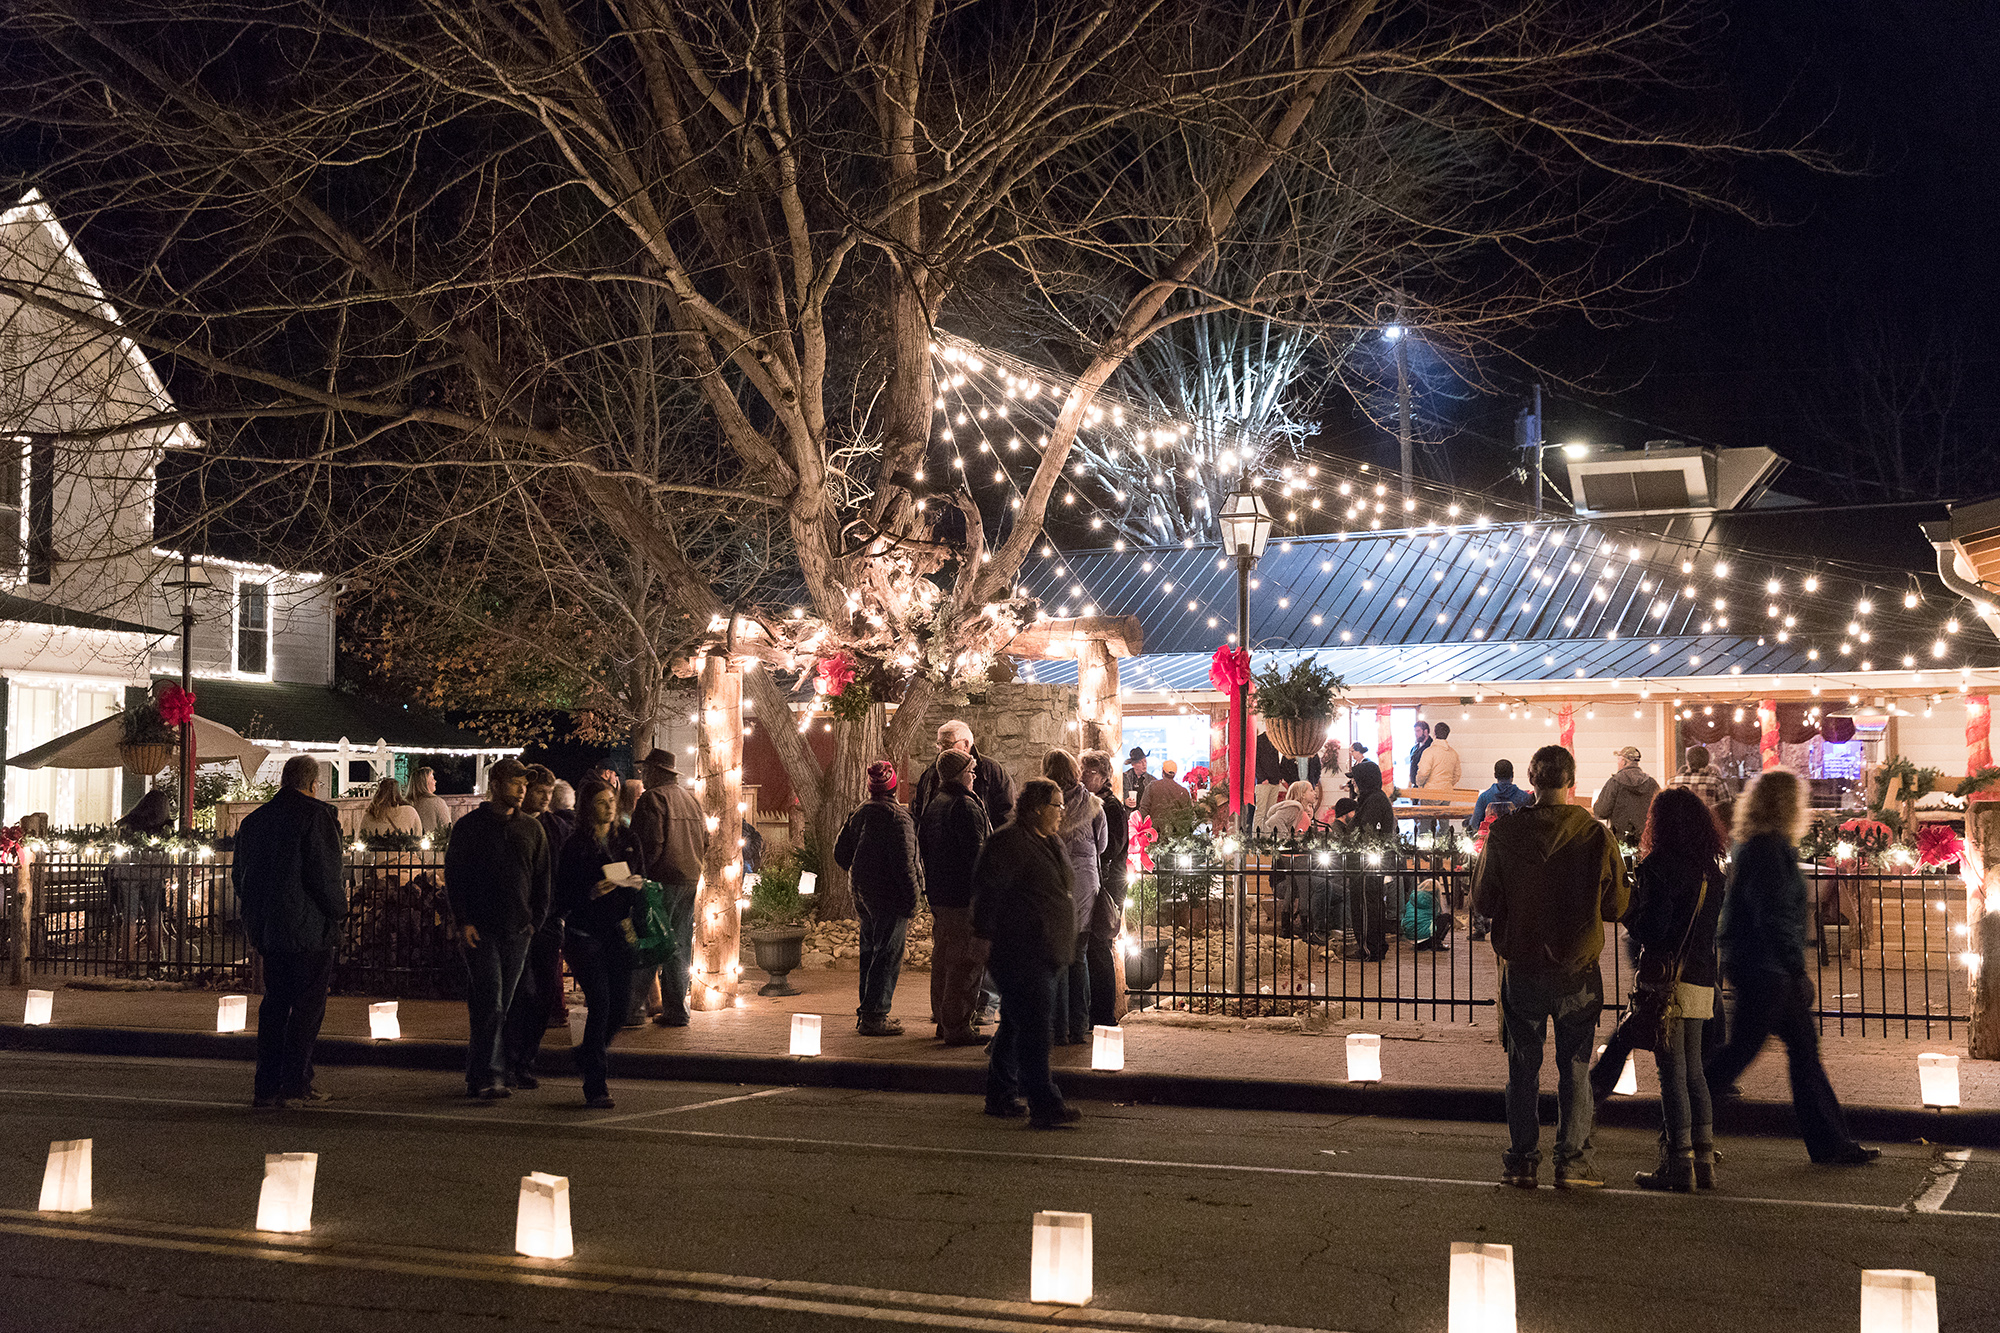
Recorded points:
1979,781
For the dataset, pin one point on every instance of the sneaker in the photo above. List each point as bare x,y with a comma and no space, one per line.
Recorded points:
601,1102
880,1027
1578,1176
1060,1117
1520,1178
1011,1109
496,1092
310,1097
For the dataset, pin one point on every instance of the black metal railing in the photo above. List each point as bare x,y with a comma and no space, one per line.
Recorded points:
1390,936
172,916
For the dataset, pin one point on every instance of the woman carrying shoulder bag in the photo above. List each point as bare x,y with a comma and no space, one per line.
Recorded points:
1677,903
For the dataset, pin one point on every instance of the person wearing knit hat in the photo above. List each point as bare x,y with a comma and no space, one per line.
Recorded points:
953,764
878,849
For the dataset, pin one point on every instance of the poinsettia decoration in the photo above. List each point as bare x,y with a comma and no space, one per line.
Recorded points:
1939,845
176,705
834,673
1197,777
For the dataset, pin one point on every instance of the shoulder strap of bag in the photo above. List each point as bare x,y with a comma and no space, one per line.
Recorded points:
1701,896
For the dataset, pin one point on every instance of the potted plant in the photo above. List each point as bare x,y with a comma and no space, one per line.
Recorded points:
1296,705
146,739
777,920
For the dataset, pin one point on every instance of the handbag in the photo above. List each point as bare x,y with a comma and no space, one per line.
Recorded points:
649,932
1655,984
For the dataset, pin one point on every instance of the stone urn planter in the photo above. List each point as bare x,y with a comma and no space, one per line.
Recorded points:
778,950
1143,967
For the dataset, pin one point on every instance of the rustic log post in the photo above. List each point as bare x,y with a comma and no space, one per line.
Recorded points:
1099,713
1982,916
717,920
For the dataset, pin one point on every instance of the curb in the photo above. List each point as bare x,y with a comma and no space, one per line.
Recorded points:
1960,1127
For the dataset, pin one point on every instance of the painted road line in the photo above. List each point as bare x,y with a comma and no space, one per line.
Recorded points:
999,1154
1944,1176
866,1303
693,1106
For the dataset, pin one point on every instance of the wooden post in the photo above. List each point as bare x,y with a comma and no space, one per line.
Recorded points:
1101,716
23,917
1982,915
717,922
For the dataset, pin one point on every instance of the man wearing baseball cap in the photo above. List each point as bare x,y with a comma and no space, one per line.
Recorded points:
1626,796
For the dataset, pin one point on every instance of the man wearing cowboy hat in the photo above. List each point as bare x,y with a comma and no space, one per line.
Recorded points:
673,836
1133,784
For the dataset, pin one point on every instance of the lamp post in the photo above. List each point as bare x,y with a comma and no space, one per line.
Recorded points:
187,584
1245,521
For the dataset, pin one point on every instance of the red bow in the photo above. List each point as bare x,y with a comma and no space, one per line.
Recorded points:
1229,669
176,705
1138,838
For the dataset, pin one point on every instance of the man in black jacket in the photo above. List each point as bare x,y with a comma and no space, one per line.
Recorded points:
499,878
949,837
990,782
878,847
289,882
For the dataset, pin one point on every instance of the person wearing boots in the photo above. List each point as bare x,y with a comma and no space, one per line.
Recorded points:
878,848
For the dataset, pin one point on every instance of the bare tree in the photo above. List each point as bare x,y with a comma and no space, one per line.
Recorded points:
326,213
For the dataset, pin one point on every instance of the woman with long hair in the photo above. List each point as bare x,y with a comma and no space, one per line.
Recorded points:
1763,938
1023,906
390,813
596,913
1675,908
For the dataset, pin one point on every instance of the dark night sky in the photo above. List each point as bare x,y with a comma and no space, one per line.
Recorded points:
1907,93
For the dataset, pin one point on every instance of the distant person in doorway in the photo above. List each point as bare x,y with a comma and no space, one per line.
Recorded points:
1165,801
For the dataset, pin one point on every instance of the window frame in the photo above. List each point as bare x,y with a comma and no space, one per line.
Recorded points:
237,629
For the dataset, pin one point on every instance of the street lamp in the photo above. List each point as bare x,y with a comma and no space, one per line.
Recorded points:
1246,526
182,590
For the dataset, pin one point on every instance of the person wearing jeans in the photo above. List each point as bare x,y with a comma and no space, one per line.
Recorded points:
1529,1002
292,890
499,879
950,833
673,839
1549,879
878,847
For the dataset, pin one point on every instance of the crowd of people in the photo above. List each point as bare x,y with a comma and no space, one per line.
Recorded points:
1026,891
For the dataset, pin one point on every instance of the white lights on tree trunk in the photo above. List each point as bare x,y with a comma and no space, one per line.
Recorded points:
1364,1057
541,1227
1107,1048
286,1203
383,1022
805,1034
232,1013
1482,1288
41,1008
1898,1300
1937,1078
66,1182
1059,1269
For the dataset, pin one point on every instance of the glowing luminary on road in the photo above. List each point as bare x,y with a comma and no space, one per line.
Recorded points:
1364,1057
805,1034
1937,1078
1059,1265
1628,1077
1482,1288
66,1182
1107,1048
40,1009
232,1013
1898,1300
384,1024
541,1227
286,1203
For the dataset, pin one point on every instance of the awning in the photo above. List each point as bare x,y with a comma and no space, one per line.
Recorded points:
314,717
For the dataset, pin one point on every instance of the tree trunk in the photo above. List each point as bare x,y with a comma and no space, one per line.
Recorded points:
720,769
1982,913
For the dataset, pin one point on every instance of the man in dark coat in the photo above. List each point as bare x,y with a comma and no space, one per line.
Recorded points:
1367,897
499,878
990,782
538,997
878,847
673,836
289,882
949,837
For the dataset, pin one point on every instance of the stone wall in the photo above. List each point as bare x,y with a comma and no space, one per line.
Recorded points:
1015,723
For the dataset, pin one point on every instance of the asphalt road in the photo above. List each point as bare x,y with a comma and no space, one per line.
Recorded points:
721,1207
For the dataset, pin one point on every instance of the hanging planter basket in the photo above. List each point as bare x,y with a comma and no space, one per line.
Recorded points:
146,757
1296,737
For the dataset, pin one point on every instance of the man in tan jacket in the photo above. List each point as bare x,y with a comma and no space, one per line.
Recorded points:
1439,768
673,835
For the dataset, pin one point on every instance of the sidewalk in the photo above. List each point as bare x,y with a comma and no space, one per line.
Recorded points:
1431,1070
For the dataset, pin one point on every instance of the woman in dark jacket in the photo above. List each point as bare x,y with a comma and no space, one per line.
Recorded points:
596,915
878,846
1107,916
1674,910
1022,907
1763,938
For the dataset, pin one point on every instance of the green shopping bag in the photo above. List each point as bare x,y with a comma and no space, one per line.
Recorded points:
650,929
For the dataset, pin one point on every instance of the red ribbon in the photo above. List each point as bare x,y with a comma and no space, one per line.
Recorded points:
1229,671
176,705
1139,837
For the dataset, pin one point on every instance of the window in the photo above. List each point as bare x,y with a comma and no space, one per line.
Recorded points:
253,629
13,458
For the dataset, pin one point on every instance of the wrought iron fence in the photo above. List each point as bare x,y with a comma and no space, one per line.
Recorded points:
1387,936
172,916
